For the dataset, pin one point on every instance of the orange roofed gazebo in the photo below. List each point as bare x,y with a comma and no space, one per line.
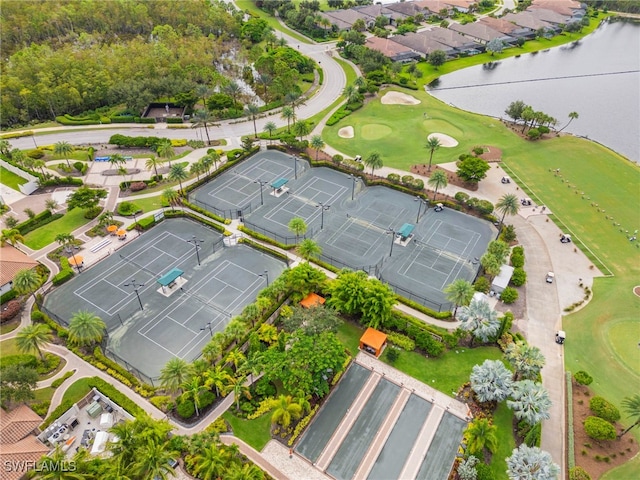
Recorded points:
312,300
373,341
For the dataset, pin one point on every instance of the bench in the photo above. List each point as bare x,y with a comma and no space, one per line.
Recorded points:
101,245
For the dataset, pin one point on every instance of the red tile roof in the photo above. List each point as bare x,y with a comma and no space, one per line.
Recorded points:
12,261
18,445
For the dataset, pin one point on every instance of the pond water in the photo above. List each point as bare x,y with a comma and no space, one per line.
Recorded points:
597,77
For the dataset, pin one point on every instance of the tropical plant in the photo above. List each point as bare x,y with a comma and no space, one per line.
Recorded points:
240,389
203,118
197,168
51,204
433,144
11,236
289,115
309,249
246,471
270,127
152,461
86,328
373,160
26,282
530,403
437,180
236,357
531,463
210,463
165,150
481,435
460,292
467,468
491,381
298,227
33,338
480,320
174,374
46,469
153,162
317,144
178,173
301,129
507,205
252,110
219,378
116,160
172,197
284,410
631,406
526,360
63,150
191,390
351,93
572,117
65,240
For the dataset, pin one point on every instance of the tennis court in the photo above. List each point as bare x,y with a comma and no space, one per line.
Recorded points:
147,323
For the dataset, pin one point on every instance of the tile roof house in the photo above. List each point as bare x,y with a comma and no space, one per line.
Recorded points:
12,261
18,444
481,32
570,8
528,20
550,16
409,9
344,19
508,28
451,39
423,44
375,11
390,49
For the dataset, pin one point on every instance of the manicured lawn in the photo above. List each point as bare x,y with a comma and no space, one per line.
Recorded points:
8,347
255,432
45,235
77,390
43,395
11,180
147,204
349,335
502,418
9,326
250,6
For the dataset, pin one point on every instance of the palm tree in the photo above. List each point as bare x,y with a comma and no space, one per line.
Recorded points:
171,196
153,162
530,403
309,249
270,127
265,79
56,458
373,160
116,160
105,219
235,357
123,171
480,320
253,110
288,114
174,374
65,240
39,164
433,144
507,205
197,168
572,117
294,99
491,381
531,463
63,150
460,292
219,378
5,147
481,436
437,180
152,461
233,90
252,365
26,282
351,93
179,173
203,118
164,149
207,161
317,143
631,405
284,410
298,227
86,328
210,463
192,388
491,264
203,91
33,338
301,129
246,471
239,389
527,360
51,204
11,236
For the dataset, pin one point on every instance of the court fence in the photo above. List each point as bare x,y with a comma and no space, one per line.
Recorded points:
153,381
231,213
371,270
438,307
59,320
285,240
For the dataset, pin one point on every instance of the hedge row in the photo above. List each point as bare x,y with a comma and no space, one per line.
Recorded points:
93,119
193,216
446,315
24,360
7,296
26,133
65,274
342,112
206,213
40,219
262,248
142,388
264,238
39,317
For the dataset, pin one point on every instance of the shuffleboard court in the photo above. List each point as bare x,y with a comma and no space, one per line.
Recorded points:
442,451
148,332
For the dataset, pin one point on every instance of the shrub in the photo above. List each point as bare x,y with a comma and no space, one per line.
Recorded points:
127,208
59,381
10,310
583,378
36,153
461,197
337,158
485,207
219,425
63,276
206,398
543,129
186,409
25,360
5,297
533,134
163,403
401,341
392,355
393,177
604,409
517,261
578,473
599,429
484,472
41,408
50,363
482,284
509,295
137,186
519,277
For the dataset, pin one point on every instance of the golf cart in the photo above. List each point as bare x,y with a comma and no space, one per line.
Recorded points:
560,337
439,207
505,180
526,202
550,276
565,238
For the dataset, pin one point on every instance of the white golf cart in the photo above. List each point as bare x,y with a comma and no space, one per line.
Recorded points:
565,238
560,337
439,207
550,277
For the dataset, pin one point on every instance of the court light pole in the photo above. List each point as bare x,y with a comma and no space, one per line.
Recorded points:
266,275
262,184
323,208
135,286
392,232
196,243
421,201
202,329
295,167
354,180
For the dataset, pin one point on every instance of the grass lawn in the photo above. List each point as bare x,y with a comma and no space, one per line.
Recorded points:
11,180
349,335
250,6
502,418
255,432
77,390
43,236
9,326
8,347
147,204
43,395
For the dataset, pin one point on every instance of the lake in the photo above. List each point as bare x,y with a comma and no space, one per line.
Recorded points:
597,77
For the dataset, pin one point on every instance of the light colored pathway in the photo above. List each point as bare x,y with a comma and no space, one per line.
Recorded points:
256,457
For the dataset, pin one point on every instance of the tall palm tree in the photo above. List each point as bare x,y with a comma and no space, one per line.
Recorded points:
26,282
373,160
240,389
572,117
288,114
11,236
252,365
481,435
235,357
480,320
294,99
460,292
301,129
527,360
507,205
153,162
116,160
203,91
179,173
203,118
317,143
86,328
65,240
631,406
264,79
270,127
285,409
298,227
39,164
124,172
210,463
436,181
19,156
309,249
252,110
174,374
219,378
233,90
164,149
152,461
33,338
351,93
197,168
246,471
191,390
172,197
51,204
63,150
433,144
5,147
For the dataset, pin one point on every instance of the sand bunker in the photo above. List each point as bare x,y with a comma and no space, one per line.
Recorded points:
346,132
445,140
398,98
